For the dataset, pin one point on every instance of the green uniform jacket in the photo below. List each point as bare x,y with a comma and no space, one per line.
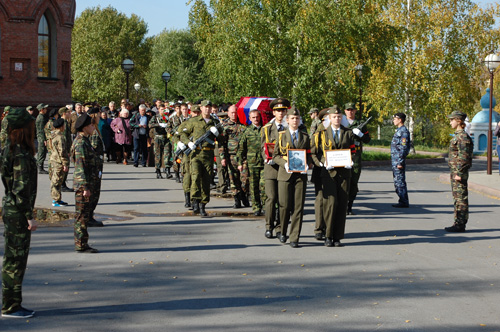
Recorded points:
154,123
86,162
460,153
195,128
269,134
249,147
358,142
232,134
19,177
40,122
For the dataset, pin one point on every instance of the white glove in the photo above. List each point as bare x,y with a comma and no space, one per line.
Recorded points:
286,168
350,166
191,145
321,164
181,146
357,132
270,162
214,131
305,172
163,125
329,168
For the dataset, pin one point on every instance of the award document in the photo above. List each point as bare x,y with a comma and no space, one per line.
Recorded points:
338,158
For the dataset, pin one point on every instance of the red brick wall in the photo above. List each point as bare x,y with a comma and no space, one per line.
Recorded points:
19,45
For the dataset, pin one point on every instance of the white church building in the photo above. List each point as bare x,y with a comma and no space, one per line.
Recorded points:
479,125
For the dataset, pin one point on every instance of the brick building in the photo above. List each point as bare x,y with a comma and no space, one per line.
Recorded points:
35,51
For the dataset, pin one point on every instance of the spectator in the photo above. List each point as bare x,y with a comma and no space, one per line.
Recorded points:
106,133
139,125
123,136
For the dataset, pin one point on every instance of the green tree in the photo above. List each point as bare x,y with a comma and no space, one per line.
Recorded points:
102,38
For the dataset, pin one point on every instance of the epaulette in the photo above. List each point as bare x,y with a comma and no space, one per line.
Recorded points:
268,124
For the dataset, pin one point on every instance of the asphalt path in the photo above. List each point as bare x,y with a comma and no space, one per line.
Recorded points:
162,269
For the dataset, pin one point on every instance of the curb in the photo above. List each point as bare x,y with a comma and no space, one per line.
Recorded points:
408,162
493,193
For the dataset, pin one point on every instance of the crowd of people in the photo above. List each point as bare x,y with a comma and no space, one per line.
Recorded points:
263,165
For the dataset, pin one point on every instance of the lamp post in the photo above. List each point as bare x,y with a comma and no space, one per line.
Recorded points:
491,62
165,77
127,67
359,72
137,87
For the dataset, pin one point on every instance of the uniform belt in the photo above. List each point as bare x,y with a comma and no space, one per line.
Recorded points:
205,149
160,135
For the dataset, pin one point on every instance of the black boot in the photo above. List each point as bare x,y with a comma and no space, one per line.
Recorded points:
187,196
41,170
349,207
64,188
244,199
158,174
168,175
237,202
196,206
203,213
177,177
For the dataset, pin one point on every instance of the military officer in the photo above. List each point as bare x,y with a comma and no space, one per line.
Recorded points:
159,124
291,185
59,161
202,156
459,161
269,135
249,152
400,147
41,120
85,178
362,136
335,180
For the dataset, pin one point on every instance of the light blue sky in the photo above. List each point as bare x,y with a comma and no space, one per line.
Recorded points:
158,14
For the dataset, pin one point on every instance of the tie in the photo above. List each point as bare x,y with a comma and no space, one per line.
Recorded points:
280,127
295,139
336,138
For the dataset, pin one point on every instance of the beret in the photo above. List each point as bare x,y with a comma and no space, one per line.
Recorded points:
53,112
83,121
58,123
18,118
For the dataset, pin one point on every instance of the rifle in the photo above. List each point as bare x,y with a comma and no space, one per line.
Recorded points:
179,151
204,138
360,127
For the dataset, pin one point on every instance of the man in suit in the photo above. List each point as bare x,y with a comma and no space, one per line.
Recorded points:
335,180
291,185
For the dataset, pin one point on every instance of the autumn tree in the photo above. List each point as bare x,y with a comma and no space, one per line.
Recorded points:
102,38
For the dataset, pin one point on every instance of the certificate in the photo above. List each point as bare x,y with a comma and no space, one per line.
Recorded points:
338,158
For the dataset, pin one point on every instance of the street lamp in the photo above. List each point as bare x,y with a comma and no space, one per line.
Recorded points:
359,72
127,67
165,77
137,87
491,62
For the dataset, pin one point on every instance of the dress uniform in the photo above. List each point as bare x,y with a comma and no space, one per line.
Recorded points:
269,134
460,161
335,180
400,147
291,185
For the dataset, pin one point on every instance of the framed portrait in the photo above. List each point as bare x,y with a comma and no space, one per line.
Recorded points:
338,158
297,160
269,150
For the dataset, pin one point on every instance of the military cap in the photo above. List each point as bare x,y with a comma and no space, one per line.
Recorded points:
41,106
457,115
222,114
18,118
206,103
400,115
293,111
6,109
82,121
333,110
322,113
104,108
58,123
279,103
93,110
88,104
313,110
196,109
29,108
52,112
349,106
62,110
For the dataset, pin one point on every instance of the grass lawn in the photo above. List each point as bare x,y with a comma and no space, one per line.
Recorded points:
377,155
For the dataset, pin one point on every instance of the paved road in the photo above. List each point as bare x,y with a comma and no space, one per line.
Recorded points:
161,271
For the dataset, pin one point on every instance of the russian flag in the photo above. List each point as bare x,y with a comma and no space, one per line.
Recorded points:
246,104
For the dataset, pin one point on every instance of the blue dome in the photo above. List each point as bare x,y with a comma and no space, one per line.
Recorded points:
485,100
483,116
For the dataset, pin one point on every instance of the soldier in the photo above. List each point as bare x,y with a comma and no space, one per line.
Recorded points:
459,161
320,225
98,145
400,147
85,177
362,136
335,180
59,161
30,110
41,120
291,185
174,122
249,152
202,156
224,182
315,121
233,131
269,135
4,133
49,127
65,114
159,124
19,177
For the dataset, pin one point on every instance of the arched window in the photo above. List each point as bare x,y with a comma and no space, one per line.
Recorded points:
44,47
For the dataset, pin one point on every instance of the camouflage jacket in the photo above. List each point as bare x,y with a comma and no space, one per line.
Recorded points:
358,142
67,135
4,131
154,123
400,146
86,162
314,126
249,148
196,127
19,177
49,127
232,133
40,122
59,154
460,153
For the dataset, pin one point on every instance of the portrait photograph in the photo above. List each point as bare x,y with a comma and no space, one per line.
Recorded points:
297,160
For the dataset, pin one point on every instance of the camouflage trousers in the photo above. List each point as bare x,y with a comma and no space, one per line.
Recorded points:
159,149
57,177
186,172
15,258
399,177
202,167
234,175
256,187
82,217
95,194
461,199
222,175
168,157
42,153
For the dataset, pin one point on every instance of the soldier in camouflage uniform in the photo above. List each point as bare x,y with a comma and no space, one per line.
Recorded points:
4,132
362,136
249,151
41,120
400,147
185,164
19,177
98,145
65,114
85,180
174,122
315,121
224,183
59,161
158,124
229,147
49,127
459,161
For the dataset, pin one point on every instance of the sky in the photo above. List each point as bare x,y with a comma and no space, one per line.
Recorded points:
160,14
